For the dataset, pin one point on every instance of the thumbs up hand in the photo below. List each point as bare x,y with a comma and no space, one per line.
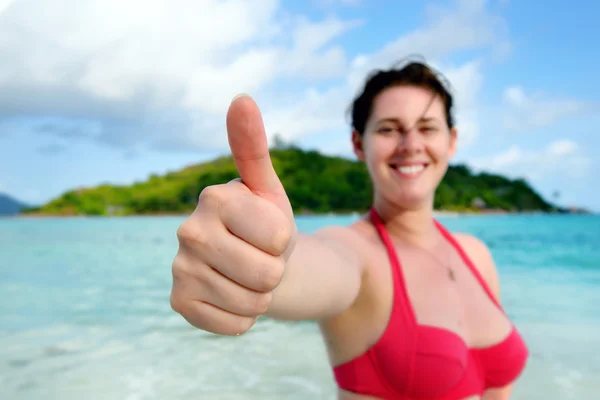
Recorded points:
234,246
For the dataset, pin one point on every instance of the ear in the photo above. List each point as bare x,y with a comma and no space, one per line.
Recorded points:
357,145
453,141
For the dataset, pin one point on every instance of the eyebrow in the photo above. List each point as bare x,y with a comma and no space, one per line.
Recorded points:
397,121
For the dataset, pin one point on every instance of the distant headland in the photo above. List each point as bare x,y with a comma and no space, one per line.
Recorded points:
315,183
10,206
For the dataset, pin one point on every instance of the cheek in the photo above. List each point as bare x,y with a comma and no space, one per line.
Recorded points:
384,147
377,157
439,149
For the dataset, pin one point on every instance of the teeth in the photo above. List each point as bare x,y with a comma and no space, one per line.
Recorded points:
411,170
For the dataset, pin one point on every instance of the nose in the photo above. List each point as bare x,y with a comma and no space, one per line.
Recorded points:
411,141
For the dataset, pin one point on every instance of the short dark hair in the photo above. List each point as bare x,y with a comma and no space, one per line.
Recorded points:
413,73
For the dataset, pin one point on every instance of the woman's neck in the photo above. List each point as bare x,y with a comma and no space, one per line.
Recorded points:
414,226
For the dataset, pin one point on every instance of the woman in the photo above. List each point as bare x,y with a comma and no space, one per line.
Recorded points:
407,309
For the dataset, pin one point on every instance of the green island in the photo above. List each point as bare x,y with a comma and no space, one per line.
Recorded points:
315,184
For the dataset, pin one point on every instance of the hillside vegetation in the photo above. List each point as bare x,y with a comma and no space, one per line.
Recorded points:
314,182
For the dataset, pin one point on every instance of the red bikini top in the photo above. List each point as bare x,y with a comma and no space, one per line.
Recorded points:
412,361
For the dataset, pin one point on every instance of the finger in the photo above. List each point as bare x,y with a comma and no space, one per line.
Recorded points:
245,264
249,147
231,256
228,295
258,222
216,320
204,283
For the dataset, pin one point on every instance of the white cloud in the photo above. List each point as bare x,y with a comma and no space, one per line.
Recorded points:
168,67
314,112
469,26
309,38
4,4
561,158
161,74
529,111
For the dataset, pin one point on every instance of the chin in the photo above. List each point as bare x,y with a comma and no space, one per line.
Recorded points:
410,201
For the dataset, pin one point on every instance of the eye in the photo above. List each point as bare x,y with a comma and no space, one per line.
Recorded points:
385,129
429,129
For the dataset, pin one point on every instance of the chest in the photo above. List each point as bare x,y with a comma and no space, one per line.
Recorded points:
440,292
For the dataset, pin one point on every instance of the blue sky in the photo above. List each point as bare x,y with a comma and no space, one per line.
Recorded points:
110,91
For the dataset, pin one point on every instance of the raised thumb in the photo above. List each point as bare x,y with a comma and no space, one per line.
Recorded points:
249,147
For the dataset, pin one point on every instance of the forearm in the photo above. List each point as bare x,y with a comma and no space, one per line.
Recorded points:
320,280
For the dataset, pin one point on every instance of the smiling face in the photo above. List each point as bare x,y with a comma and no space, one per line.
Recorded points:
406,145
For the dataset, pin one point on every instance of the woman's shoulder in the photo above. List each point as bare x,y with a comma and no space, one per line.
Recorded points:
357,235
357,240
482,259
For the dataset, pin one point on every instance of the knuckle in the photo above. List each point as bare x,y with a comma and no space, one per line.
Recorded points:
183,269
187,277
178,264
210,195
191,232
177,303
186,230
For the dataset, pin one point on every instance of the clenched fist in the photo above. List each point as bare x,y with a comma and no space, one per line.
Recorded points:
234,247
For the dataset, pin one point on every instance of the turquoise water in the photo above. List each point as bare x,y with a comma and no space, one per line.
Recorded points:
84,313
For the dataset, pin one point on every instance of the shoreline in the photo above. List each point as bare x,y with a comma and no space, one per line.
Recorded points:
436,213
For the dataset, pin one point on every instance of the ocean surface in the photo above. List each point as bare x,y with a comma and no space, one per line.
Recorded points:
85,314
